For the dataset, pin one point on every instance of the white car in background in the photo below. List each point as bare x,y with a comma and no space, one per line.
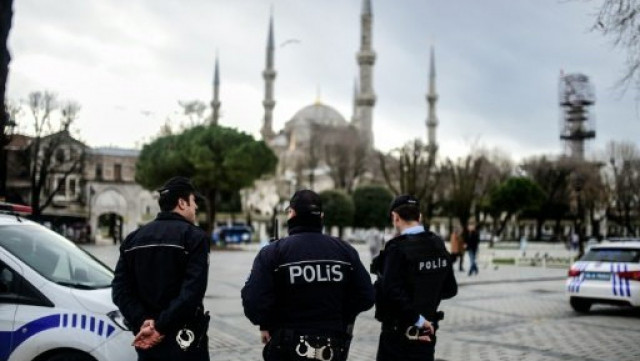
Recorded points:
608,273
55,298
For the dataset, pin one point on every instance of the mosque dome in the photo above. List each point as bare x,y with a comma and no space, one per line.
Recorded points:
299,128
318,113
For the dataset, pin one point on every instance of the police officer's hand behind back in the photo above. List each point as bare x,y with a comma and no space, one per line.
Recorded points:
148,336
265,336
427,328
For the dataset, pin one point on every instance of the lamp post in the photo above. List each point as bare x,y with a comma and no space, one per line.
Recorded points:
578,184
6,130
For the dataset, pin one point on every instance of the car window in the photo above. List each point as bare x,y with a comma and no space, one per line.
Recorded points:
54,257
612,255
15,289
8,280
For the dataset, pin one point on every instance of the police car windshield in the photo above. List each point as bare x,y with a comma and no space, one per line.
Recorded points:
612,255
54,257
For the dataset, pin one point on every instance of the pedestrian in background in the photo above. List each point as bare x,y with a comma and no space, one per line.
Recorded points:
305,290
472,242
457,246
161,277
414,275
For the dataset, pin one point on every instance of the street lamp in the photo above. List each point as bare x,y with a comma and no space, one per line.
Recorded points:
578,184
6,131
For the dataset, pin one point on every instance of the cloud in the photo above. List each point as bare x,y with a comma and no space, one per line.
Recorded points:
497,65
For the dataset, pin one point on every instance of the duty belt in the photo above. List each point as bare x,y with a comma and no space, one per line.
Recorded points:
312,345
322,353
412,333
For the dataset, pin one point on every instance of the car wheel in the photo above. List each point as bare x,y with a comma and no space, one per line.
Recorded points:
70,356
580,305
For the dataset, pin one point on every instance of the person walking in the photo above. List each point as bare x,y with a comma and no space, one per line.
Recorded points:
457,246
161,277
473,242
414,275
305,290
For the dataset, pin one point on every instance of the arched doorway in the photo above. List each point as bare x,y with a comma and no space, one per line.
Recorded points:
110,226
109,211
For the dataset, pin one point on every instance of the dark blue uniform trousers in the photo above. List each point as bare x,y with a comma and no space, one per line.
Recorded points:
394,346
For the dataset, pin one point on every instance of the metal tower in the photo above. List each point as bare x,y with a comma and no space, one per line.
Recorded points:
578,125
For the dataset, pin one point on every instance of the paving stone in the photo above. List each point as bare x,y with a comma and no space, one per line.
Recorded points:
502,314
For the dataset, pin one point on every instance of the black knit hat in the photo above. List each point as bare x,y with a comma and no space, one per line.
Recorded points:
179,184
403,200
306,202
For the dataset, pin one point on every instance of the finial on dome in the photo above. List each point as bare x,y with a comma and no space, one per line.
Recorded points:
318,95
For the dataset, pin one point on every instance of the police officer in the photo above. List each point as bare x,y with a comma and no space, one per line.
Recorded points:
414,274
305,290
161,278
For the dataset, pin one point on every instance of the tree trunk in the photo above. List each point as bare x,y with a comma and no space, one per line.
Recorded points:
539,223
211,209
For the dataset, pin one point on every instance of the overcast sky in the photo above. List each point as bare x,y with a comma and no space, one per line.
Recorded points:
129,62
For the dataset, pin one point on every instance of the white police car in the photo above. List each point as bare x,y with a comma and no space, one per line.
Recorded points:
608,273
55,298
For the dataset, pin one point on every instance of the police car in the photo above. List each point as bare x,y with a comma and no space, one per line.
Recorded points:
608,273
55,298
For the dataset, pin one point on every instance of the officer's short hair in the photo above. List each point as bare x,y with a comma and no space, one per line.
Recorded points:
407,207
174,189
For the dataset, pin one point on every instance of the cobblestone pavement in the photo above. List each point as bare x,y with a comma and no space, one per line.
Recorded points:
506,313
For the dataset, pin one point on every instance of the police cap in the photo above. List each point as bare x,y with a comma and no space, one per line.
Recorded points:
306,202
178,185
403,200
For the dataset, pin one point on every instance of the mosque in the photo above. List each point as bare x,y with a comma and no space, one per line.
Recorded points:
301,146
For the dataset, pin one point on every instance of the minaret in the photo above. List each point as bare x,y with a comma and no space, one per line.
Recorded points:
215,103
432,98
269,75
355,118
366,57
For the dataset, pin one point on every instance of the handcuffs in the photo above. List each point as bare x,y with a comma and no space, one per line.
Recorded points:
413,333
185,338
304,349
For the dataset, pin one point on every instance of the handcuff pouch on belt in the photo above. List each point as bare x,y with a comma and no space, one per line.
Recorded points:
193,333
315,348
413,333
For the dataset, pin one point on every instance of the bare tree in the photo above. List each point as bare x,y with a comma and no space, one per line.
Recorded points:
313,155
624,182
194,110
463,178
553,176
53,154
620,21
406,170
69,111
497,166
412,169
346,155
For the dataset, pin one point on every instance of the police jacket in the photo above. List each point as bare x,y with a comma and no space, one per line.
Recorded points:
415,275
307,281
162,273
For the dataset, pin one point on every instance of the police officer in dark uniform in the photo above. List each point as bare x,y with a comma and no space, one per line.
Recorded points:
414,275
305,290
161,278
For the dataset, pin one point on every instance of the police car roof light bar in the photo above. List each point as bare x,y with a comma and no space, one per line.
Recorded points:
17,209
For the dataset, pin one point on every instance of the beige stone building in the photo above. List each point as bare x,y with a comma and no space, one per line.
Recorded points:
116,205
